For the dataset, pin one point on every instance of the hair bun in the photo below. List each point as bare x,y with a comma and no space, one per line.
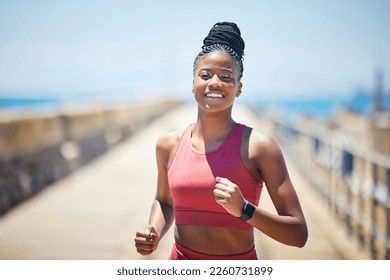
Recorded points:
226,33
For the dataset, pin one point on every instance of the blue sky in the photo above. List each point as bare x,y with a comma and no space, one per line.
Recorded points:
134,49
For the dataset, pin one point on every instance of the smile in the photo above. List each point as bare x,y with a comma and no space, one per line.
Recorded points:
214,95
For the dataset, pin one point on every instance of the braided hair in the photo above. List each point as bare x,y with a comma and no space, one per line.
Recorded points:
224,37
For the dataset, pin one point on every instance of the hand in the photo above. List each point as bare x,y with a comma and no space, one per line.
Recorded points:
146,241
229,196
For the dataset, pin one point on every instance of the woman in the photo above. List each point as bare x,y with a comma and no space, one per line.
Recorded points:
210,175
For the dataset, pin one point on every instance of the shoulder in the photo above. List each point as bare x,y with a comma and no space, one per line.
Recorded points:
261,145
167,143
168,140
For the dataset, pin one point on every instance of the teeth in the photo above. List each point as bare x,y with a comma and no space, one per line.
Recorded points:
214,95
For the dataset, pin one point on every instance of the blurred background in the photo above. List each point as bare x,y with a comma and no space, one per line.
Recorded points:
87,86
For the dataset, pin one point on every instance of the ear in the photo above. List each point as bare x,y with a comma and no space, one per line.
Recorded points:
192,86
239,89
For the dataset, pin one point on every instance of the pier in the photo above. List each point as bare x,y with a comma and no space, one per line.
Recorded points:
94,211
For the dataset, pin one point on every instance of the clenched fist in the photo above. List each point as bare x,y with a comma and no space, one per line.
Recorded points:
229,196
146,241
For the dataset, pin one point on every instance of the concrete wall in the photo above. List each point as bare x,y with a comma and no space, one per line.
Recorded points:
37,150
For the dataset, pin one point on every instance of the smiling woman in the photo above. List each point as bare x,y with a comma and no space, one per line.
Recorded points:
211,173
216,78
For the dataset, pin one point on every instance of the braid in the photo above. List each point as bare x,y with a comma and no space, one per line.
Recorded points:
222,48
224,37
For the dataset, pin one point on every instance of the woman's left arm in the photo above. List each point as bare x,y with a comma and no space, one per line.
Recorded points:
288,226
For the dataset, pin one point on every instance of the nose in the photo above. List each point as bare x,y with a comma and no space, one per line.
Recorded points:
215,81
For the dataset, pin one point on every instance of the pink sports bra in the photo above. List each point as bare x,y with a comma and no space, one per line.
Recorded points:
191,177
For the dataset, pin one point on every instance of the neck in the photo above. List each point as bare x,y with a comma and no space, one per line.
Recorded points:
213,126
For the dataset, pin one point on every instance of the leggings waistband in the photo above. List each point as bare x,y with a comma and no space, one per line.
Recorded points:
180,252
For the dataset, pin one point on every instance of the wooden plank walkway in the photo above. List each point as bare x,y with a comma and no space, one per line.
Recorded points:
95,212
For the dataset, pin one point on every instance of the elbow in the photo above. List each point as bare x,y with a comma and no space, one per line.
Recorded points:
296,238
303,236
301,243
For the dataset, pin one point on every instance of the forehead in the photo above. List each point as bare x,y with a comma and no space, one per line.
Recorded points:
218,61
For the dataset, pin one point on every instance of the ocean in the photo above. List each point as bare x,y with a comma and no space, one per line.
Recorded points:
20,103
362,103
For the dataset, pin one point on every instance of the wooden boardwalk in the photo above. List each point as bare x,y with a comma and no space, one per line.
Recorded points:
95,212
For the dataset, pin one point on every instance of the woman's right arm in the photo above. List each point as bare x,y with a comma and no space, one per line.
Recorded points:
161,215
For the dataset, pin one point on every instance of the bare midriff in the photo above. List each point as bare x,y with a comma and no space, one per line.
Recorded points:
215,240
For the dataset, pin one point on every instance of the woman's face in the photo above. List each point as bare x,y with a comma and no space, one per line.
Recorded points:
216,81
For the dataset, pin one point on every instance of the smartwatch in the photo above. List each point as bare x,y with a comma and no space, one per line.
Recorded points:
247,211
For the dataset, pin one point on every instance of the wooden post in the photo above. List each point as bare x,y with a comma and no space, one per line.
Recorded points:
388,216
374,203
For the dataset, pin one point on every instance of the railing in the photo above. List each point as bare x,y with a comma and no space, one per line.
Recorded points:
355,182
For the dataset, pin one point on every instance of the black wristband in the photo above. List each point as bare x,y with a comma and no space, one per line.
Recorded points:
247,211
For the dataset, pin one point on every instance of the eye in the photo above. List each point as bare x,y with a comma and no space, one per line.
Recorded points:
226,77
204,75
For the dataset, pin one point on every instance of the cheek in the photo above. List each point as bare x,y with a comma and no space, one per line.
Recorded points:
198,84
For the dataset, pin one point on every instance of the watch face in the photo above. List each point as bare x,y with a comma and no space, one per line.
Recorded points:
248,210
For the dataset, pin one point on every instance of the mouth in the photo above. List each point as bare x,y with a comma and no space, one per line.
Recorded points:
214,95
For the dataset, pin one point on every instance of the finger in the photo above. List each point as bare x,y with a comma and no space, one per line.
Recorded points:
225,182
221,193
145,247
144,234
151,231
222,187
222,180
228,190
147,233
144,240
221,197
